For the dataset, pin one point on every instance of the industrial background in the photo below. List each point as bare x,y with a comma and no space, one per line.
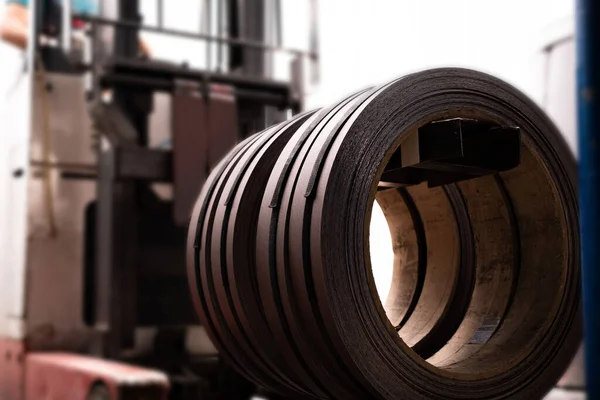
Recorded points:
101,162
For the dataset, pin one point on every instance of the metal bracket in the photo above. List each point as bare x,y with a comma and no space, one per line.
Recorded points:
453,150
193,88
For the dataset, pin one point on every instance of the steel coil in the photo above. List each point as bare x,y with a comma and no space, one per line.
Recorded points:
484,301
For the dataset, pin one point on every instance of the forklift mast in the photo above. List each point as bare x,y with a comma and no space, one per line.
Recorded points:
129,244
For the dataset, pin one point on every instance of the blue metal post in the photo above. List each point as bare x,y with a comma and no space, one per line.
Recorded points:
588,99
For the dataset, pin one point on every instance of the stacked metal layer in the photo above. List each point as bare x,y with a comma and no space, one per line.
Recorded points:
485,293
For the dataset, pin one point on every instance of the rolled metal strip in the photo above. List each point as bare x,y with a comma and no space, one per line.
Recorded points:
199,297
286,286
484,300
521,358
233,252
206,281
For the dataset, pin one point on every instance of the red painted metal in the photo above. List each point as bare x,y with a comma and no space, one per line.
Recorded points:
222,89
12,353
63,376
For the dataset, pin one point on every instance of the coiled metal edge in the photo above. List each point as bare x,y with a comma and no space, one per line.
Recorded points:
484,301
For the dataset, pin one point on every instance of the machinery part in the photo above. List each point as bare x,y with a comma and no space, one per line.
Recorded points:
12,377
195,154
70,376
485,293
99,391
190,113
164,76
588,123
452,150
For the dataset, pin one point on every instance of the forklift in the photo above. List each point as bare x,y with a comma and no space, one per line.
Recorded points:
107,150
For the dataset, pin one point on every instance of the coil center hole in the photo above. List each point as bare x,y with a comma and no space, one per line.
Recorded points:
447,244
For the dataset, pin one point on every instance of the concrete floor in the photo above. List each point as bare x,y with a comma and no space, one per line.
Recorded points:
556,394
559,394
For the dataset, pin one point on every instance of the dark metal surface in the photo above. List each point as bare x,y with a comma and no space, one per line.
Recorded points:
253,27
223,129
55,60
115,252
132,163
158,69
443,152
277,248
167,85
144,164
131,25
588,118
117,211
126,42
161,297
190,144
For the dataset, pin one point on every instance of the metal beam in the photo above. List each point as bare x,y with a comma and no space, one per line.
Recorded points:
588,85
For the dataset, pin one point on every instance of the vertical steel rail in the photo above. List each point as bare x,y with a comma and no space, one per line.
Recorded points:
220,31
160,9
588,115
208,27
66,26
314,42
278,26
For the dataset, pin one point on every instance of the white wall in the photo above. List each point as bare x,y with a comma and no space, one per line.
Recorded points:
369,41
366,42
